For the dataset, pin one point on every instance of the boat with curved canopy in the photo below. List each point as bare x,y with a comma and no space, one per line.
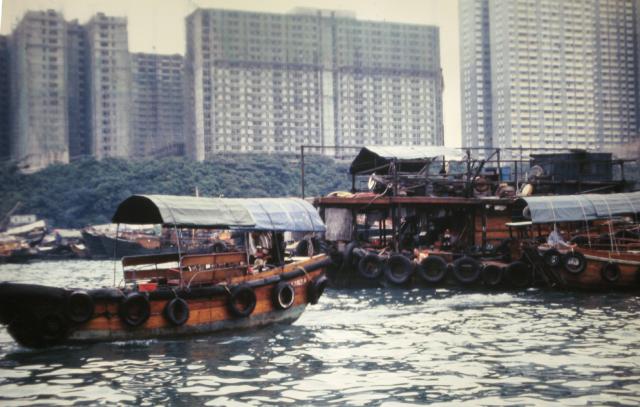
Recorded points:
589,241
177,294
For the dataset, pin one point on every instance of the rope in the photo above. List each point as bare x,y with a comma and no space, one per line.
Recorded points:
612,238
584,215
115,245
633,208
175,228
306,274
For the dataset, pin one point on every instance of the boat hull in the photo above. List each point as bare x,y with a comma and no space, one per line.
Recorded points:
40,316
592,277
107,335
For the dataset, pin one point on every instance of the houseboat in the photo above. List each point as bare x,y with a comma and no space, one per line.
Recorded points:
437,216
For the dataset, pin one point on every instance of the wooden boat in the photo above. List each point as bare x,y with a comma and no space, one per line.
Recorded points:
580,265
169,295
394,232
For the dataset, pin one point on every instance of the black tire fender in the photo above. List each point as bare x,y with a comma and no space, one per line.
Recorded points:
316,289
176,311
519,274
610,272
574,262
284,295
53,328
80,307
242,301
433,269
466,270
350,260
371,266
135,309
219,247
552,258
491,275
399,269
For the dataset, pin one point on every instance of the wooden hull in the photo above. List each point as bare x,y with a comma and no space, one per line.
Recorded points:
592,279
39,316
121,333
94,245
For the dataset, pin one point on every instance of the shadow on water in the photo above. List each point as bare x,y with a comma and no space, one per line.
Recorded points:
360,347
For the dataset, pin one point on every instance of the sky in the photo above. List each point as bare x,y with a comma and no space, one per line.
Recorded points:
158,26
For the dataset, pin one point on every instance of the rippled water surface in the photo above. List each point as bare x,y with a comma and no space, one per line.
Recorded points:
356,347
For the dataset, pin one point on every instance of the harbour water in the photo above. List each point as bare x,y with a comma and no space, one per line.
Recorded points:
356,347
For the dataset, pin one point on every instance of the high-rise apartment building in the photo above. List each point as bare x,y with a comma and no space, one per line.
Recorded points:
563,74
475,73
267,82
78,93
5,97
39,91
158,104
110,80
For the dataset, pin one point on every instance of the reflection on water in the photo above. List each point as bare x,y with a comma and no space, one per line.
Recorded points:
356,347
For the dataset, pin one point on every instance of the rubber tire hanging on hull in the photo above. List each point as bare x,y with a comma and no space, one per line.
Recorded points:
433,269
574,262
371,266
33,332
283,295
552,258
242,301
491,275
316,289
610,272
176,311
466,270
519,274
80,307
399,269
53,328
350,258
134,310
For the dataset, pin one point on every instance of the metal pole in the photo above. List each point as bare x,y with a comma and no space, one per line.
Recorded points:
302,170
394,207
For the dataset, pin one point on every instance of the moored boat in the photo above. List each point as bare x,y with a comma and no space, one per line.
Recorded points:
175,294
547,244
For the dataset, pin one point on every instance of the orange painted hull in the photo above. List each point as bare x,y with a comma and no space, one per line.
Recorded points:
591,278
40,316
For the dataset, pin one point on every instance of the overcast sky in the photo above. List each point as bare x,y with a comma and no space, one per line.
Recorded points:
158,26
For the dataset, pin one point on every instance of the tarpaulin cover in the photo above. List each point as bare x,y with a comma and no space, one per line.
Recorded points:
371,157
568,208
274,214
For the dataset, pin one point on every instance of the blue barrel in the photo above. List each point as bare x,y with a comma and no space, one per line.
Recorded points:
505,173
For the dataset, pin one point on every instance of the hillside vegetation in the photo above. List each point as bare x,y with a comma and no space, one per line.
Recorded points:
88,191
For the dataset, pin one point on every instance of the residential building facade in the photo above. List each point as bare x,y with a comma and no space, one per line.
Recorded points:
38,74
563,74
263,82
158,104
110,78
78,91
5,97
475,74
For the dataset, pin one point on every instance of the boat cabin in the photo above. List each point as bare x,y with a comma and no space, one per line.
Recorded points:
261,222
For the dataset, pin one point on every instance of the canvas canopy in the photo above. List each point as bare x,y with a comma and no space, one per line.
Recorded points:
569,208
268,214
370,158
